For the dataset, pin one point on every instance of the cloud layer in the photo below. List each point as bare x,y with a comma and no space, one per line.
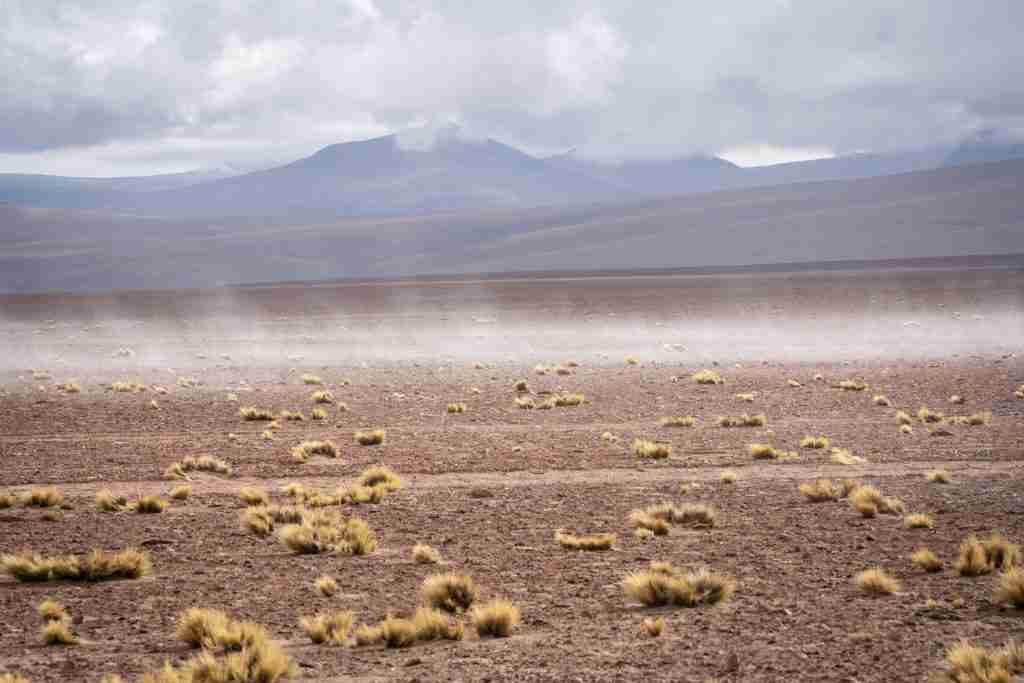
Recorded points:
168,84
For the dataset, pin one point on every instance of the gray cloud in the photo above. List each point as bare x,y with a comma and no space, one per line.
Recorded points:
182,84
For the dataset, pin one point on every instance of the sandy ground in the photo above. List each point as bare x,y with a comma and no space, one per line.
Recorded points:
489,487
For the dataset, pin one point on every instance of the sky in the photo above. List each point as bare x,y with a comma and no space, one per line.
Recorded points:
111,87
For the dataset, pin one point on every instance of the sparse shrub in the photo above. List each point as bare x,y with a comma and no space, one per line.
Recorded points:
664,585
149,505
968,663
360,495
939,476
326,586
432,624
820,491
328,627
456,408
154,405
203,463
918,521
643,534
904,418
371,437
747,398
425,554
254,414
7,500
395,632
367,635
876,581
1020,391
643,448
1010,588
678,421
881,400
291,415
51,610
592,542
742,421
1000,552
200,626
928,417
609,437
252,495
763,451
450,592
187,382
972,559
307,449
49,496
851,385
312,380
815,442
653,626
727,477
98,565
974,420
106,501
906,429
793,383
496,618
70,387
842,456
58,633
380,476
568,400
630,360
521,385
267,435
641,520
181,492
707,377
525,403
318,414
53,515
322,397
127,387
926,560
329,534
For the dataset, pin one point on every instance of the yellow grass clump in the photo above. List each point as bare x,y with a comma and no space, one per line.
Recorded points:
425,554
747,398
51,610
869,501
664,585
127,387
969,663
525,403
187,382
203,463
972,559
918,521
876,581
925,415
98,565
291,415
432,624
181,492
881,400
821,490
451,592
49,496
742,420
851,385
326,586
678,421
727,477
252,495
591,542
456,407
793,383
1000,552
372,437
318,414
973,420
149,505
322,397
71,387
707,377
815,442
904,418
842,456
1010,589
563,370
312,380
106,501
7,500
644,521
1020,391
18,678
906,429
328,534
926,560
642,448
568,400
58,633
307,449
380,475
653,626
495,619
328,627
763,451
521,385
254,414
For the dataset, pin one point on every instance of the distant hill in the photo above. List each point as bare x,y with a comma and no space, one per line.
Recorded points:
961,211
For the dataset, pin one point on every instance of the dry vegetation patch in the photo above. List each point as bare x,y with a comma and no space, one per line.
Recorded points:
450,592
328,533
742,420
707,377
1010,589
203,463
665,585
642,448
456,408
815,442
372,437
254,414
763,451
328,627
927,560
98,565
49,496
425,554
322,396
875,581
495,619
678,421
307,449
969,663
591,542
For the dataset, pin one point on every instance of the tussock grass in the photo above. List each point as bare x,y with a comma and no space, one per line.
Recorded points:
53,515
742,420
972,559
98,565
747,398
311,380
815,442
926,560
643,521
763,451
653,626
1010,588
425,554
925,415
254,414
291,416
58,633
645,534
657,517
820,491
187,382
199,626
495,619
642,448
431,624
51,610
307,449
525,403
793,383
521,386
842,456
49,496
328,627
322,397
328,534
1019,393
591,542
563,370
456,407
869,501
918,521
664,585
372,437
395,632
450,592
7,500
1000,552
181,492
727,477
906,429
18,678
252,495
106,501
904,418
318,414
326,586
71,387
540,370
969,663
359,495
609,437
149,505
632,360
707,377
678,421
380,475
850,385
203,463
875,581
568,400
127,387
881,400
973,420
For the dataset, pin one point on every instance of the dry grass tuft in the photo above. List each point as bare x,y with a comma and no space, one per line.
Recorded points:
592,542
869,501
51,610
326,586
664,585
291,416
815,442
371,437
7,500
568,400
906,429
127,387
763,451
678,421
563,370
881,400
727,477
328,627
98,565
793,383
58,633
253,414
972,559
495,619
1010,588
821,490
307,449
187,382
742,421
71,387
432,624
106,501
456,407
918,521
382,476
325,533
521,385
200,626
318,414
181,492
642,448
876,581
643,521
252,495
525,403
149,505
18,678
842,456
928,417
1000,552
322,397
957,399
1020,391
451,592
653,626
540,370
312,380
425,554
707,377
973,420
851,385
939,476
968,663
49,496
927,560
203,463
904,418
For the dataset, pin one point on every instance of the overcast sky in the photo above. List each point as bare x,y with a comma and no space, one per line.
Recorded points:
113,87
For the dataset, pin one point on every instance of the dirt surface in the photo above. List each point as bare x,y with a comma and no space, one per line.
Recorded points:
490,486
